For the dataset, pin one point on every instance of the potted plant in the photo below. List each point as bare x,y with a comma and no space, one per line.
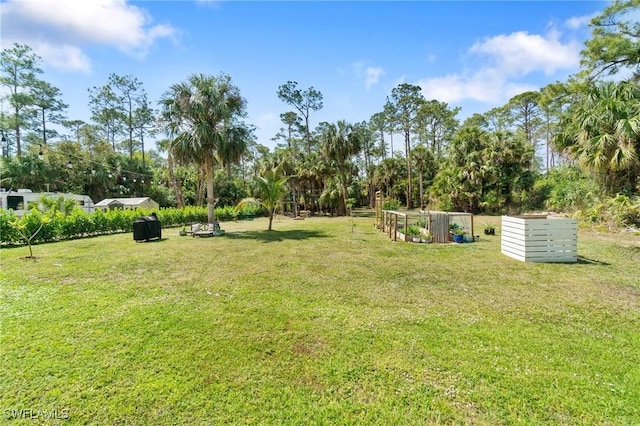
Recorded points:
183,231
426,237
458,235
414,232
453,229
467,238
489,229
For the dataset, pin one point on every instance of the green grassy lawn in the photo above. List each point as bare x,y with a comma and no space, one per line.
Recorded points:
311,324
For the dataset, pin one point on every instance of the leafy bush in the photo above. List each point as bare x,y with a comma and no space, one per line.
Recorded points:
51,229
32,222
8,233
229,193
79,224
391,204
250,211
100,222
226,213
568,190
616,212
413,230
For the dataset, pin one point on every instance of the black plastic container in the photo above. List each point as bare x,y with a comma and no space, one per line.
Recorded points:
147,228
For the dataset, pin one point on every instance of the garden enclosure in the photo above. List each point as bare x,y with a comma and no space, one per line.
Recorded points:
395,224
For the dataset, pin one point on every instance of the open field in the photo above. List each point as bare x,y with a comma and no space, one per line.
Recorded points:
311,324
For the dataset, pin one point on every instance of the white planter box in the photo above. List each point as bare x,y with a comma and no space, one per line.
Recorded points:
540,238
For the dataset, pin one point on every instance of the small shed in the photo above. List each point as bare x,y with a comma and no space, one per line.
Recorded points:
127,204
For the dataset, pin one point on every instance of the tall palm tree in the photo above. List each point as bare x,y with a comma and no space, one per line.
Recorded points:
603,133
200,114
340,142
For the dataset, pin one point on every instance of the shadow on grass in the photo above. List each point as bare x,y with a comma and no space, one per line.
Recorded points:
155,240
364,213
273,236
586,261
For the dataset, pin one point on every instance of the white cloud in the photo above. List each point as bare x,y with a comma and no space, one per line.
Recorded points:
520,53
501,62
65,57
372,76
67,26
486,86
578,22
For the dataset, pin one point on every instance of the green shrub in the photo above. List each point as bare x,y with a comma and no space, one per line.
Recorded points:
8,234
413,230
32,220
51,230
100,222
568,190
619,211
226,213
79,224
391,204
251,211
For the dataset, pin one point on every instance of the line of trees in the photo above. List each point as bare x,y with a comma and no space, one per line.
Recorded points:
492,162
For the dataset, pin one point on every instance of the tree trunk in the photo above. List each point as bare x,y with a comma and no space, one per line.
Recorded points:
172,179
180,193
243,168
343,178
130,133
421,191
372,195
18,145
407,147
548,140
211,215
306,119
44,128
271,213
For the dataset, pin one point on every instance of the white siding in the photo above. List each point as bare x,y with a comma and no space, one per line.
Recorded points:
540,239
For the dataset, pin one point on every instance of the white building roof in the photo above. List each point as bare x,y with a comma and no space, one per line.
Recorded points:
134,201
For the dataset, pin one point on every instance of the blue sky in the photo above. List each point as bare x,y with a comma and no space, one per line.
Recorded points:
475,55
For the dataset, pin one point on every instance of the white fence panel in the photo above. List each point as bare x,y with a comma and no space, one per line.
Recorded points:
540,238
